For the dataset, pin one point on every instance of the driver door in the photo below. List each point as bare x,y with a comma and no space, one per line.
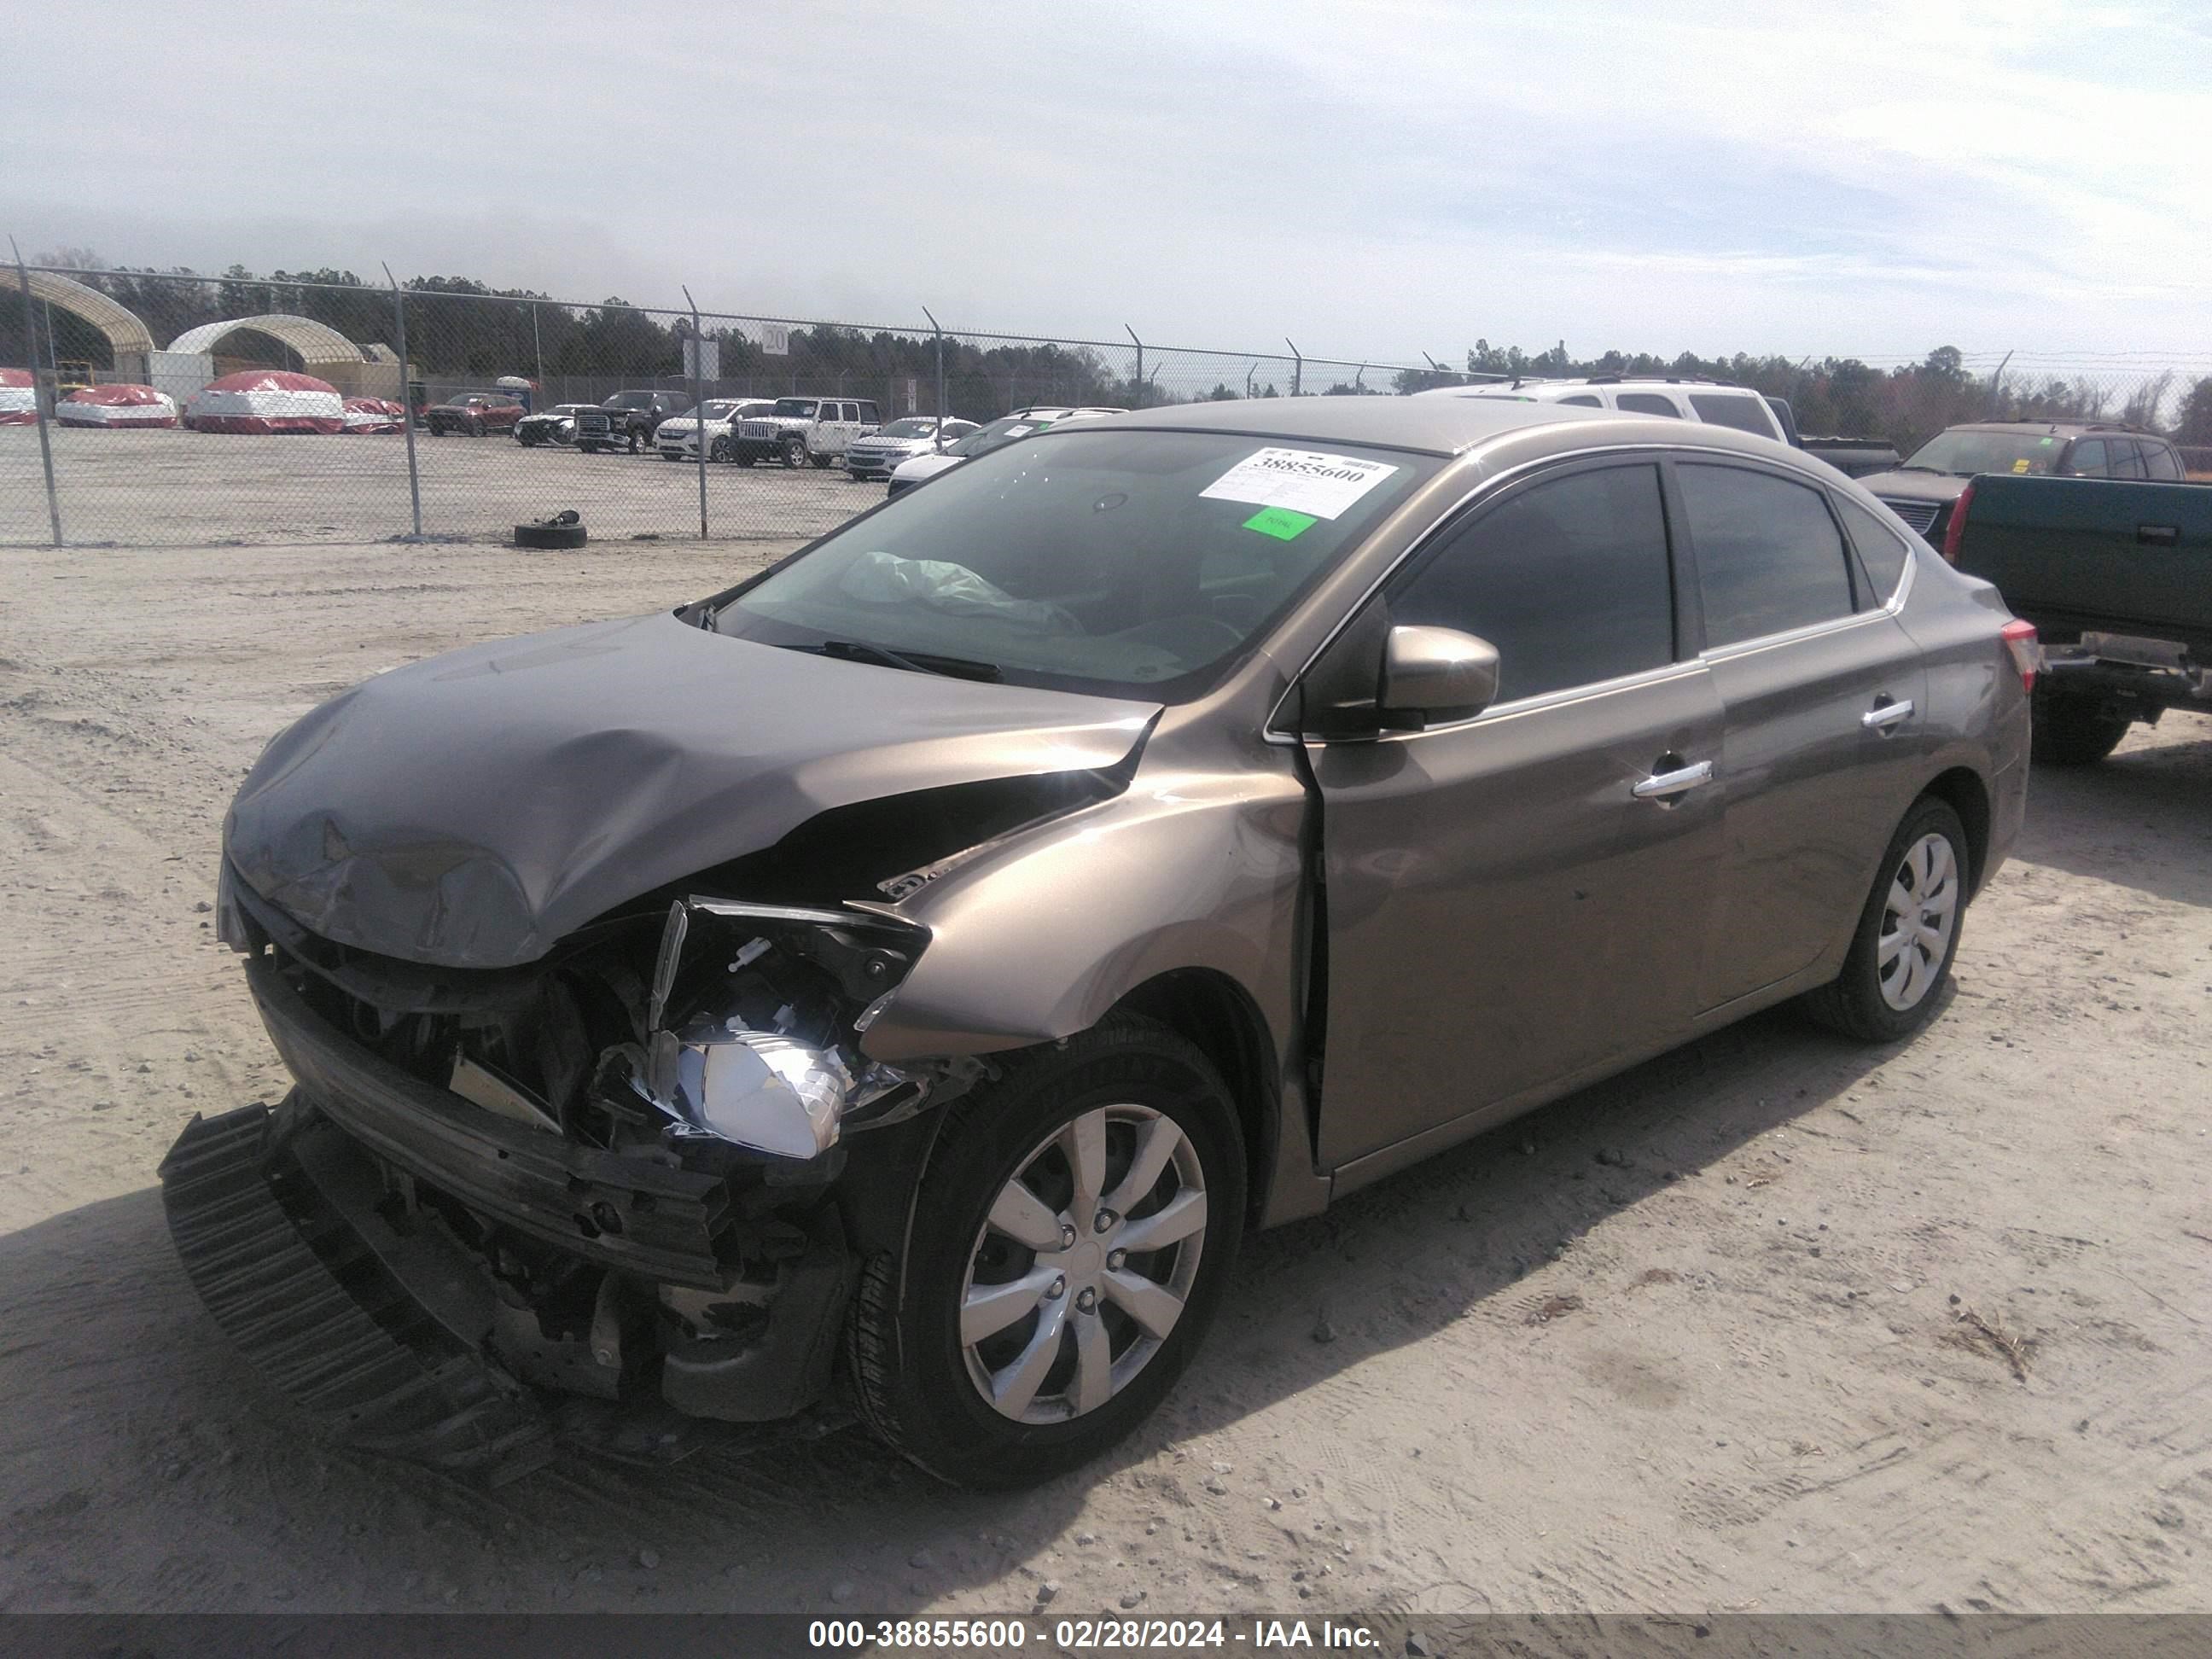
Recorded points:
1518,899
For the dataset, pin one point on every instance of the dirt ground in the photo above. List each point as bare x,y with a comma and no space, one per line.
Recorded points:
1732,1331
181,488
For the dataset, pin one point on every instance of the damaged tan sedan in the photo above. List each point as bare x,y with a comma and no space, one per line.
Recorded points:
898,982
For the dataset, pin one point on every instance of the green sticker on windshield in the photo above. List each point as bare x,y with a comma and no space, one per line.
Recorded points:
2046,443
1281,523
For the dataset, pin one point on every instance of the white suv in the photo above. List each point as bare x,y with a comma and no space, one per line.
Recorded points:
1714,402
677,437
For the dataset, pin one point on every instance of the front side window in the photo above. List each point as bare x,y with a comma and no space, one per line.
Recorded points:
867,414
2086,460
1769,557
1584,400
1131,563
796,409
1647,403
1744,414
1569,579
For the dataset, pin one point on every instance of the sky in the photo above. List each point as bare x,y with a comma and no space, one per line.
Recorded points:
1373,179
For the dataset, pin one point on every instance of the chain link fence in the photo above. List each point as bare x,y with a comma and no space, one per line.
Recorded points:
141,408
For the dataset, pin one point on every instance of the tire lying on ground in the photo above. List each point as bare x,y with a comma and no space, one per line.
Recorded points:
550,534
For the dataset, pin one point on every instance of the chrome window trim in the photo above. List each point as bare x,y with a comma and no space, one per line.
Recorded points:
1537,705
1271,730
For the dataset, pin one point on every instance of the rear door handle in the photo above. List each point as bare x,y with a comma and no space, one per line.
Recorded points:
1663,787
1884,715
2158,535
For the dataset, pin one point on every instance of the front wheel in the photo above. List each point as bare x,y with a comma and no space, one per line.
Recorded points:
719,450
1071,1237
2074,730
794,451
1907,934
476,428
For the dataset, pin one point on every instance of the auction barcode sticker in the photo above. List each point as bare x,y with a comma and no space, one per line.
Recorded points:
1302,480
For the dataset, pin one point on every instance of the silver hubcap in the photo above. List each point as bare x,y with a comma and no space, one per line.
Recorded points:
1917,922
1083,1264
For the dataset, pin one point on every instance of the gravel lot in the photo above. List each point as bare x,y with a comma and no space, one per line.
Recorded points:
1714,1335
183,488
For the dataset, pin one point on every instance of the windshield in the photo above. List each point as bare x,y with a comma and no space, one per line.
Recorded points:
717,409
800,408
1130,563
629,400
1967,452
917,426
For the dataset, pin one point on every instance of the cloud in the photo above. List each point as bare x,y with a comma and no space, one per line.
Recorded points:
1379,179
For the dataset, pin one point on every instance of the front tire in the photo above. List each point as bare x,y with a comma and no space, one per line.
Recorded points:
794,452
2074,730
1908,934
1071,1237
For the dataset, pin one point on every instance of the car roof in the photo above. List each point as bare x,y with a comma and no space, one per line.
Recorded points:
1529,383
1437,426
2065,428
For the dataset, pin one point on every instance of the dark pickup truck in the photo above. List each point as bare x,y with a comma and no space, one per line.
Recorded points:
627,421
1854,458
2117,578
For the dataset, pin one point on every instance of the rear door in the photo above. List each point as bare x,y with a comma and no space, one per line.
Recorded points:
1824,695
1504,907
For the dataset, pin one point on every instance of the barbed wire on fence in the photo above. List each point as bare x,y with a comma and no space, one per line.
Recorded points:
490,393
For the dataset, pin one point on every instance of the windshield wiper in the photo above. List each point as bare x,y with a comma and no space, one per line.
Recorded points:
1940,471
958,668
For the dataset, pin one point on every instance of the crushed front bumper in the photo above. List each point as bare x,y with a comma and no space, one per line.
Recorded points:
377,1320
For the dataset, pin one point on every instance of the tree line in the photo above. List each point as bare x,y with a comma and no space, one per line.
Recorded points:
460,330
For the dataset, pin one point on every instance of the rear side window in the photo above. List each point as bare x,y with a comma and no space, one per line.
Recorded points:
2088,459
1569,579
2126,459
2160,462
1647,403
1879,550
1744,414
1770,558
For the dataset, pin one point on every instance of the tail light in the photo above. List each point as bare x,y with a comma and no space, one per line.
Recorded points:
2026,653
1954,532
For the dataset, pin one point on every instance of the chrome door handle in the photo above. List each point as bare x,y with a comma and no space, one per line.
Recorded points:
1882,718
1665,786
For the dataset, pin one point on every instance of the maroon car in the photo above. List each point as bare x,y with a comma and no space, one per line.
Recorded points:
475,413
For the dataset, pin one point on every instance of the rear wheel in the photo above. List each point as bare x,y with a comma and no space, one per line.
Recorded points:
1071,1236
2076,730
1907,934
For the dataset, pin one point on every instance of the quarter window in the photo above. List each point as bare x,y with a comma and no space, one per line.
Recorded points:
1569,579
1647,403
1769,557
1879,548
1744,414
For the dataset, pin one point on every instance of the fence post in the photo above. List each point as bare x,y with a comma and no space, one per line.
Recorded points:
1138,384
1997,381
406,399
537,349
939,333
1297,365
698,400
38,403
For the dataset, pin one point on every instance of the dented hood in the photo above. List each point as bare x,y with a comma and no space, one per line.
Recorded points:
470,810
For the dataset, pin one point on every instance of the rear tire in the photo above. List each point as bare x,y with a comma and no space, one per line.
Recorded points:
2072,729
921,1378
1895,956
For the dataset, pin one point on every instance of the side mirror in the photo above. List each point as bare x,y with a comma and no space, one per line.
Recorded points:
1435,674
